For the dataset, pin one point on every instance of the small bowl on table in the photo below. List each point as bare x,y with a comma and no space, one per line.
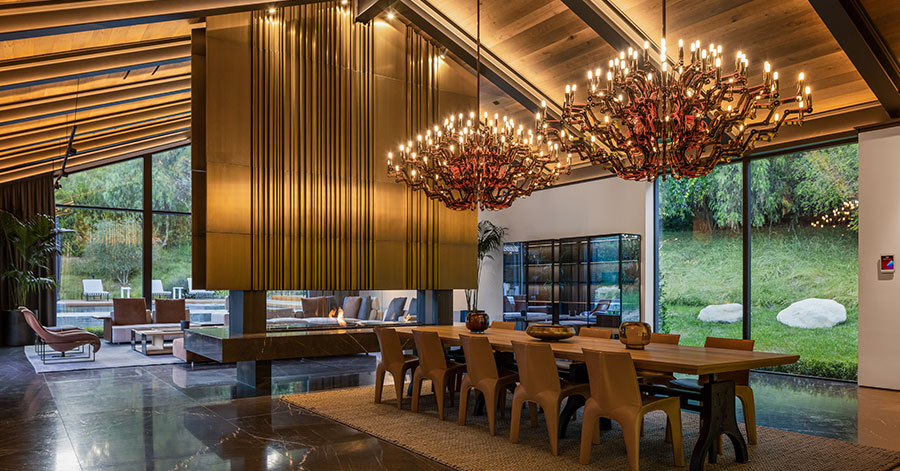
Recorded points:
550,332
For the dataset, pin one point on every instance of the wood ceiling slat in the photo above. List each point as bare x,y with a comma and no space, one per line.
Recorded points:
885,14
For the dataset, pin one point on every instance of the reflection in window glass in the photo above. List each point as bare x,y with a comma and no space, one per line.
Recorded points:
119,185
700,256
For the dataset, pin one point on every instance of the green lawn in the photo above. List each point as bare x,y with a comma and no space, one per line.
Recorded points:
788,265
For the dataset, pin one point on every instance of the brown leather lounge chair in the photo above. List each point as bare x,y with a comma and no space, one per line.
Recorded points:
71,344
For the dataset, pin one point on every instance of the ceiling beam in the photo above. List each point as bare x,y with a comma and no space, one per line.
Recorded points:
367,10
93,61
613,26
428,19
50,17
854,31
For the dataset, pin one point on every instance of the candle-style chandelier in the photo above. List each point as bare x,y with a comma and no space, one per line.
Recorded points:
473,161
681,118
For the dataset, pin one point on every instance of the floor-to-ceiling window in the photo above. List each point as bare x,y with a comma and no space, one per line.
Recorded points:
803,257
172,219
700,256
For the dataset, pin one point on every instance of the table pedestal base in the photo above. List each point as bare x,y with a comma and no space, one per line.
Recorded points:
716,418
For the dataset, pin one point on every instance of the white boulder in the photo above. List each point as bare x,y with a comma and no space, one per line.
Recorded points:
813,313
727,313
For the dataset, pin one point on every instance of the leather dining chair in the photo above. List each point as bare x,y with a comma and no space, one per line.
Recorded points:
615,394
596,332
539,384
392,361
658,377
741,383
483,376
433,364
502,325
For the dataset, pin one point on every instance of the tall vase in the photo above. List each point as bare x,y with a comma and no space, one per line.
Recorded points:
477,321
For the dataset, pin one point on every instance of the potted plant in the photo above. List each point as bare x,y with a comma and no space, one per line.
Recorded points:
490,239
29,246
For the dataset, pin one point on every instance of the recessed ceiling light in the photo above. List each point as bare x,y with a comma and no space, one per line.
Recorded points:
390,15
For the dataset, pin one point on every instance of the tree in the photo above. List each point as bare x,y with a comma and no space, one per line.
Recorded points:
29,246
114,249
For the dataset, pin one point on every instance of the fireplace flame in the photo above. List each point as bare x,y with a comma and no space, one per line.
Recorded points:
408,318
340,317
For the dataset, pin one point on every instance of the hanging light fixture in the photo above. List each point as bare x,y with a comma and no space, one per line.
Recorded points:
681,118
474,161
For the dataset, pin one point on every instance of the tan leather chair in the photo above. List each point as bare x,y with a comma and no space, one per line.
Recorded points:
433,365
596,332
539,384
60,341
483,375
658,377
392,361
501,325
741,383
615,395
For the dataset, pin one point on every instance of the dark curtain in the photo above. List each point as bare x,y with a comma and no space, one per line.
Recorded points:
26,199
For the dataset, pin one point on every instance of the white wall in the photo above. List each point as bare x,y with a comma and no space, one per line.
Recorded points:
879,233
597,207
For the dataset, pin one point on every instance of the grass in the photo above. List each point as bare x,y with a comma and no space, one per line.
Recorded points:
788,265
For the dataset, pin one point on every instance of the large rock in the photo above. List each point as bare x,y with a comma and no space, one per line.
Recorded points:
813,313
727,313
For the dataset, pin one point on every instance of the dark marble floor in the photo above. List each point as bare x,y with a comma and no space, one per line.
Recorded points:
173,417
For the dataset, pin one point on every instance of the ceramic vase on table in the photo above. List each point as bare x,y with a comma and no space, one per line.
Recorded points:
477,321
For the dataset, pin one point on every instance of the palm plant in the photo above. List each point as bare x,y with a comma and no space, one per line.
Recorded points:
29,246
490,239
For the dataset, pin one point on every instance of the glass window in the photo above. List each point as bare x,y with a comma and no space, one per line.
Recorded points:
513,266
172,180
172,252
700,256
119,186
804,259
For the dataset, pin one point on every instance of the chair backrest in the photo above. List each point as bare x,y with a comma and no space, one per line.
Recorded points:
395,308
129,311
351,307
389,343
313,307
739,377
596,332
35,325
613,379
671,339
92,286
169,311
480,362
537,367
503,325
156,286
430,349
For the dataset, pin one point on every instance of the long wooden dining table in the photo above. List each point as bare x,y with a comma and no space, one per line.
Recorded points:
718,400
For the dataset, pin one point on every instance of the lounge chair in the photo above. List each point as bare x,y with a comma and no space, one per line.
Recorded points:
156,288
198,293
73,345
93,288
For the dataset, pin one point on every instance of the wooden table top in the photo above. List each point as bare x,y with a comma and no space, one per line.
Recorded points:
153,332
655,356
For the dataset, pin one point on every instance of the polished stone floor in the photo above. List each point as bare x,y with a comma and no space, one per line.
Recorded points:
173,417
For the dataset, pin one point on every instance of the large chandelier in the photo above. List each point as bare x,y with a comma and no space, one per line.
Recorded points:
682,118
473,161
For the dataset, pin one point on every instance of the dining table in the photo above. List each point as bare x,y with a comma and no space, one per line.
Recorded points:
717,412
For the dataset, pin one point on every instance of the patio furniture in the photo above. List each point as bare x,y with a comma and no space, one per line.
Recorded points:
483,375
177,292
198,293
614,394
539,384
314,307
73,345
153,341
131,313
392,361
124,291
93,288
434,366
169,311
395,309
156,288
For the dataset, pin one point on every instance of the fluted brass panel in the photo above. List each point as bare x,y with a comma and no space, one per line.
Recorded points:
327,98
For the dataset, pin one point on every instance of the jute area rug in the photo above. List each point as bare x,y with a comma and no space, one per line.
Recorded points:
471,447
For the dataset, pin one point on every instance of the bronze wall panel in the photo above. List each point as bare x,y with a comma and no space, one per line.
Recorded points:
325,99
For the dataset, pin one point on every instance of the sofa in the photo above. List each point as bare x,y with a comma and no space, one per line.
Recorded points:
315,311
131,313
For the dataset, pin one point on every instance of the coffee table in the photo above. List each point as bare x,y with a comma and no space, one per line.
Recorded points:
152,341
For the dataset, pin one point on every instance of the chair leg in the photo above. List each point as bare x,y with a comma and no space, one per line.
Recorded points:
502,393
673,428
379,382
490,401
746,397
551,416
515,418
439,388
417,390
463,402
399,382
590,425
631,431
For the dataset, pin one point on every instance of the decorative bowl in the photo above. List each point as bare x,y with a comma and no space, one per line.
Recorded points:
477,321
550,332
634,334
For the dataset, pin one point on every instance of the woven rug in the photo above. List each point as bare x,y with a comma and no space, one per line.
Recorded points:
471,447
109,356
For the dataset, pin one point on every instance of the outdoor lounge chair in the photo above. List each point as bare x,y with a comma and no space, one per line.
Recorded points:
72,345
93,288
198,293
156,288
